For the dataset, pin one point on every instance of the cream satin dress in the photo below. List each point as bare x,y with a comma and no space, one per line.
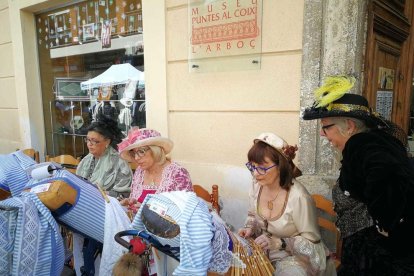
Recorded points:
305,254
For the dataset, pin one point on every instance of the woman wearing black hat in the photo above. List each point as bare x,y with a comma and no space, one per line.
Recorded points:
374,194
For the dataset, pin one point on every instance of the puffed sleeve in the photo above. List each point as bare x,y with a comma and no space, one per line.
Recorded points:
305,217
307,246
251,212
181,179
377,172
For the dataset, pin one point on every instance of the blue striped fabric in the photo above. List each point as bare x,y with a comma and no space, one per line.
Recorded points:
12,171
196,231
34,240
87,216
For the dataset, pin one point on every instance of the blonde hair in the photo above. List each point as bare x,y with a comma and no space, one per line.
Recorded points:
158,154
129,264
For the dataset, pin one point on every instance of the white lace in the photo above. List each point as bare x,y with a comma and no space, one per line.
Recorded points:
222,257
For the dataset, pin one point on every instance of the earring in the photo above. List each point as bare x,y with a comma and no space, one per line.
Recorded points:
107,145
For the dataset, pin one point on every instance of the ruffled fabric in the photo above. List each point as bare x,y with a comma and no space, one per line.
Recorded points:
174,178
137,135
222,256
110,172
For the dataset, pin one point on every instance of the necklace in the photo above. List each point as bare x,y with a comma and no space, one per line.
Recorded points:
270,202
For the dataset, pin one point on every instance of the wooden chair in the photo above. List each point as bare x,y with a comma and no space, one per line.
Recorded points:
33,154
209,197
326,208
67,161
133,166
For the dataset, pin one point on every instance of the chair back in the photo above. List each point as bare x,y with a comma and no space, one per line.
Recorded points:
326,220
67,161
211,198
133,166
32,153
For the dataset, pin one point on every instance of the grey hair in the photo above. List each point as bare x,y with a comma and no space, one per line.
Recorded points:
159,154
341,123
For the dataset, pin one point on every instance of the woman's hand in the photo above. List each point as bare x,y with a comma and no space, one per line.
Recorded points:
132,204
124,202
245,232
268,243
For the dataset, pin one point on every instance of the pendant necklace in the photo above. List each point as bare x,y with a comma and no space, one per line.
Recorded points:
270,202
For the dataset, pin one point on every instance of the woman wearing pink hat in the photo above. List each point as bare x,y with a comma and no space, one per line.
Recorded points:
155,172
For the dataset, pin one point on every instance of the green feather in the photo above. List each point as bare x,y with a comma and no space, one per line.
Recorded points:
333,88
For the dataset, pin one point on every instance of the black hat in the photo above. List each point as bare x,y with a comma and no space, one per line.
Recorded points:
334,100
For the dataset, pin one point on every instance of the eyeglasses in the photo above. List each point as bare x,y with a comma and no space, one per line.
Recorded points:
324,128
91,141
259,170
139,152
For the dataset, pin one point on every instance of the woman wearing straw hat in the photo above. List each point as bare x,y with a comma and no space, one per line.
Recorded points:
282,216
374,194
155,173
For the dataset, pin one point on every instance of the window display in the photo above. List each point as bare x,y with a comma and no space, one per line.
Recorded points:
78,43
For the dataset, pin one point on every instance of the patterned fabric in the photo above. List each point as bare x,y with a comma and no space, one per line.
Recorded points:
222,256
174,178
110,171
196,230
136,136
87,216
30,241
298,226
12,171
91,168
352,215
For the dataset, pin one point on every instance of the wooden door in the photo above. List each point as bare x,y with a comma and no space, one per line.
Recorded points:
388,68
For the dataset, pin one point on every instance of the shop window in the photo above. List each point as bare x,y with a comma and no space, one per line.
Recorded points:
77,43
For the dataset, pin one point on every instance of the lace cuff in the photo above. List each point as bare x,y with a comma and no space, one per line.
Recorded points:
250,222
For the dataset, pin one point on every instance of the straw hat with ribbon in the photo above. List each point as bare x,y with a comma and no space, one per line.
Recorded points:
143,137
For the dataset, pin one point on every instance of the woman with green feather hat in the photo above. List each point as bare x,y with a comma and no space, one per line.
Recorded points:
374,194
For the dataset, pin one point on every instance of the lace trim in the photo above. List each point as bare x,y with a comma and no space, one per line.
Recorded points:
222,257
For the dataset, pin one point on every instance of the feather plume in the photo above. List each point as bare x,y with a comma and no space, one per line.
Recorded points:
333,88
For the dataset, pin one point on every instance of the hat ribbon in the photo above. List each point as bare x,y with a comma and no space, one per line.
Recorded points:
132,137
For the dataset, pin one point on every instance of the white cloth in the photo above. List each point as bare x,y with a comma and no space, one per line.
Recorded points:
116,221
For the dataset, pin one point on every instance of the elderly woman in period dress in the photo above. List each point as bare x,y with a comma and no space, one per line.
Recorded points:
102,165
155,172
374,193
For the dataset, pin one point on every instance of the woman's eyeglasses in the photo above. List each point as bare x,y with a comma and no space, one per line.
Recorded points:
139,152
91,141
259,170
324,128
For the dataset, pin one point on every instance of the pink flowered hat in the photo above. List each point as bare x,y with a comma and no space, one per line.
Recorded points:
143,137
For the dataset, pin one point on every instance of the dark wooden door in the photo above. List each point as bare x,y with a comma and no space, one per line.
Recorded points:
389,59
